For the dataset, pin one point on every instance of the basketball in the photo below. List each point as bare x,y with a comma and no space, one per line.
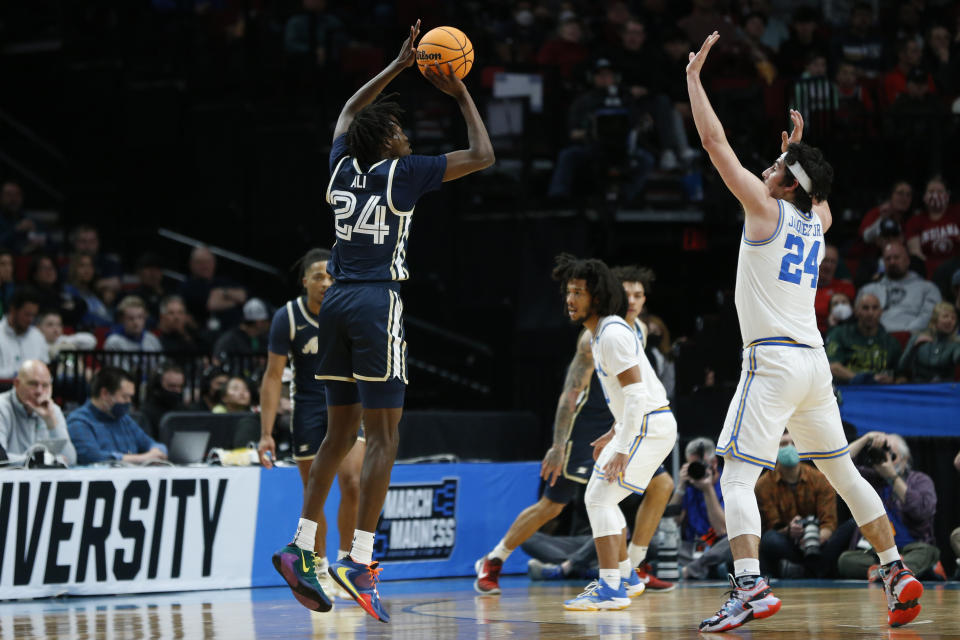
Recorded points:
446,44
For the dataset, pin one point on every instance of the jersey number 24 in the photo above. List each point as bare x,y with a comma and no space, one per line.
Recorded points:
794,265
344,205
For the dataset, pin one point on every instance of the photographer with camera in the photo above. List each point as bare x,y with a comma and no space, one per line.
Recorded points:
798,508
909,499
704,542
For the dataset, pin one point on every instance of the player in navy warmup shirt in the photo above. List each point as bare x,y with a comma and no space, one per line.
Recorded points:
293,339
374,186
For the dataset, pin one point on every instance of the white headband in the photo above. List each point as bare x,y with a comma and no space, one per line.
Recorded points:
798,173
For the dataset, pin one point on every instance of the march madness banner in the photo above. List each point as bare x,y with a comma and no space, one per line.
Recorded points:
95,531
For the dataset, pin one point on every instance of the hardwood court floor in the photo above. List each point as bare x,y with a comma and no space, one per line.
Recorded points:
427,609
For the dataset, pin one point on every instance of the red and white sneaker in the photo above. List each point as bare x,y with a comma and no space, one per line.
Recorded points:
488,576
742,606
903,593
652,582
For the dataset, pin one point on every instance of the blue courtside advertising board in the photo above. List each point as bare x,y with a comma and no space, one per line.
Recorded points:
438,519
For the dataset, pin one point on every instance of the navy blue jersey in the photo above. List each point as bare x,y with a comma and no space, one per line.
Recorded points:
293,333
372,209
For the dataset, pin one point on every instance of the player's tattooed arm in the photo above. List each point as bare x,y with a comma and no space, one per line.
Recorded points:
577,379
368,92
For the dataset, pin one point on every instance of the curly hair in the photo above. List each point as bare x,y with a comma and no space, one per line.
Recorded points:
819,170
605,290
634,273
371,128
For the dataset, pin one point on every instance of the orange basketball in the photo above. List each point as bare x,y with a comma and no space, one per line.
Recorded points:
446,44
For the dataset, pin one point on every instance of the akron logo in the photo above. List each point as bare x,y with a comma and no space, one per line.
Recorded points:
418,521
311,346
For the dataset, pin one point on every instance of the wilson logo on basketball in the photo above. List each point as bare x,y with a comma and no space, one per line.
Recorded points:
423,55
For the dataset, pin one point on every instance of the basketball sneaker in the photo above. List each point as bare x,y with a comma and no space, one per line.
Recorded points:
742,606
297,568
544,570
360,581
488,576
652,582
599,596
903,592
633,585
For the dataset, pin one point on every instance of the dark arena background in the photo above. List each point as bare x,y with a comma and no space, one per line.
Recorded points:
152,148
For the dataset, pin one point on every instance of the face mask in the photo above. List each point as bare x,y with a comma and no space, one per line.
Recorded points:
935,200
523,17
120,409
788,456
842,311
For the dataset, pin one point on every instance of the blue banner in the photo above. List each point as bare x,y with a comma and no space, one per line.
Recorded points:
438,519
905,409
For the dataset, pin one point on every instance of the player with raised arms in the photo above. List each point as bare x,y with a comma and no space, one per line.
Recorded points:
375,183
786,380
642,436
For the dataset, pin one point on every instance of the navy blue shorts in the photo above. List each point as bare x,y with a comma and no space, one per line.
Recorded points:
308,427
362,343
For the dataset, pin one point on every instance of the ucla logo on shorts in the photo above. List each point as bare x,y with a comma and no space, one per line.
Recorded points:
418,522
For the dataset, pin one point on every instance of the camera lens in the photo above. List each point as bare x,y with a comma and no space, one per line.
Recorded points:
696,470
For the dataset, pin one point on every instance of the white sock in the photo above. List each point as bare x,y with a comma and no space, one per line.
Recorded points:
890,555
362,550
322,565
611,577
306,535
746,567
500,551
637,554
341,554
625,569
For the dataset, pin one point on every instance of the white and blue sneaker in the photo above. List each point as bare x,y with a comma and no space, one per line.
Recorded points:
633,585
742,606
598,596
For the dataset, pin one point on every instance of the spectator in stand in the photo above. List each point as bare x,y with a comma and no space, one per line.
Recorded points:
753,28
213,301
909,56
42,274
566,51
150,289
863,352
164,394
815,96
934,235
828,285
234,398
51,326
897,208
6,278
795,52
173,329
80,284
704,19
102,429
18,231
906,298
854,122
941,57
132,335
909,499
790,496
955,534
19,339
86,239
313,33
214,379
932,355
616,16
860,44
702,523
250,337
841,310
915,126
870,267
600,123
29,415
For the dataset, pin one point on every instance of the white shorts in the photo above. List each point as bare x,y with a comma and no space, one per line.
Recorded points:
783,386
658,434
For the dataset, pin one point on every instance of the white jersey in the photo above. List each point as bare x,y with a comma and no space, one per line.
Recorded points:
617,347
777,280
